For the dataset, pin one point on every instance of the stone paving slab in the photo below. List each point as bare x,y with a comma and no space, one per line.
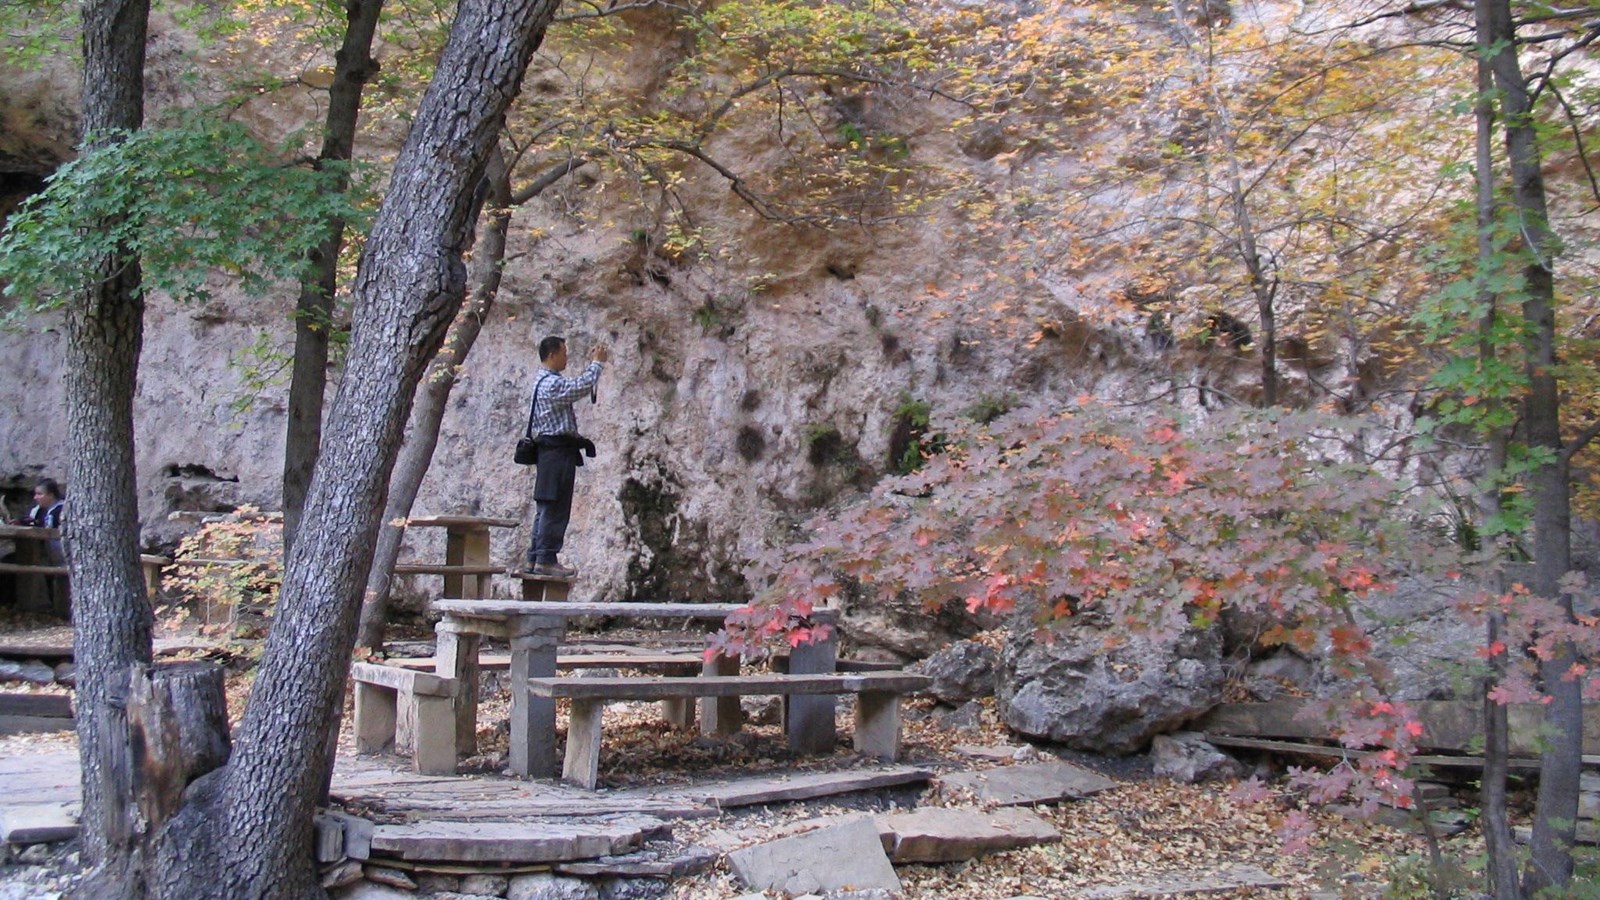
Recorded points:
1021,785
848,855
941,834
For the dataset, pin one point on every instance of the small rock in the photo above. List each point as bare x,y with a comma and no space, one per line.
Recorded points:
634,889
966,717
439,883
390,877
341,874
32,671
489,885
366,890
962,672
1186,757
762,710
66,674
34,855
544,886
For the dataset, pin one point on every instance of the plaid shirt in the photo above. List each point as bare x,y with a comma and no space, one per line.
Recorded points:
553,396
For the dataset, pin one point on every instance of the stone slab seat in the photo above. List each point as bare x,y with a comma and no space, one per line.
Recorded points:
877,724
670,663
393,702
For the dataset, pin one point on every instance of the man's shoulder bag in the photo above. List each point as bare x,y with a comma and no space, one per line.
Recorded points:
527,452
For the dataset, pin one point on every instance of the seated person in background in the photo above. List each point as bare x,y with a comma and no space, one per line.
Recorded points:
47,506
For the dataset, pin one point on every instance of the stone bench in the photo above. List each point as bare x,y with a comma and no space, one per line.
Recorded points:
877,722
399,707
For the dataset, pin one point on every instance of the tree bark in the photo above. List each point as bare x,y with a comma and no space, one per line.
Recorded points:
1555,818
488,260
1504,882
105,330
409,284
353,66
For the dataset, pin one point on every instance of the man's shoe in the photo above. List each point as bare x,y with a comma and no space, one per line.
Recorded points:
553,570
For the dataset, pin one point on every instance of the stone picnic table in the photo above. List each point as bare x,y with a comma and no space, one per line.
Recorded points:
467,569
536,630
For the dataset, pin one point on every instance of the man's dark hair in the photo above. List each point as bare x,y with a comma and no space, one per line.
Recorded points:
550,345
50,486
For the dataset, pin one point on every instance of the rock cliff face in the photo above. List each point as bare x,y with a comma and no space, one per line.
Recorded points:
747,389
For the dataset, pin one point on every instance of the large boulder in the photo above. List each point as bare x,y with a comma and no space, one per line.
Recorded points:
1076,687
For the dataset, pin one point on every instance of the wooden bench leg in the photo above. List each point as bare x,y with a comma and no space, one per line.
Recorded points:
533,719
582,765
435,735
878,724
375,717
721,715
456,656
809,717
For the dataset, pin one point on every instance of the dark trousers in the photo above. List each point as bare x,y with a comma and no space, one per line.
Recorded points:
552,494
550,530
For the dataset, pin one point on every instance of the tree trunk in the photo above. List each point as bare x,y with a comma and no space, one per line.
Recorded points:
353,66
416,454
408,287
1555,818
1504,883
105,330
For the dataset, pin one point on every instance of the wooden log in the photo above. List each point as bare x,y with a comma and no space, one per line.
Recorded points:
177,731
1447,724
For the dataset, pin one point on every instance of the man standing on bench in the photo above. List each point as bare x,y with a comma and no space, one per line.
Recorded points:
556,425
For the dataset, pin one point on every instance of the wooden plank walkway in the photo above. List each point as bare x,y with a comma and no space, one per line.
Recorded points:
386,787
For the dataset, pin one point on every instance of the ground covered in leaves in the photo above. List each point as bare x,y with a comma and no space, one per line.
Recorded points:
1145,827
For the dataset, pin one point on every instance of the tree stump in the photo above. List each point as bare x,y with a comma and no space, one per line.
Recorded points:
177,731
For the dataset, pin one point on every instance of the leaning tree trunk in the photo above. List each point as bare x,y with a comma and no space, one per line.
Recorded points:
408,286
105,329
353,66
416,454
1555,817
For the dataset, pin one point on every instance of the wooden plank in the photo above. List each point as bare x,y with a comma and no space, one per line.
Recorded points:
43,705
1447,724
1463,762
645,688
35,570
10,725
